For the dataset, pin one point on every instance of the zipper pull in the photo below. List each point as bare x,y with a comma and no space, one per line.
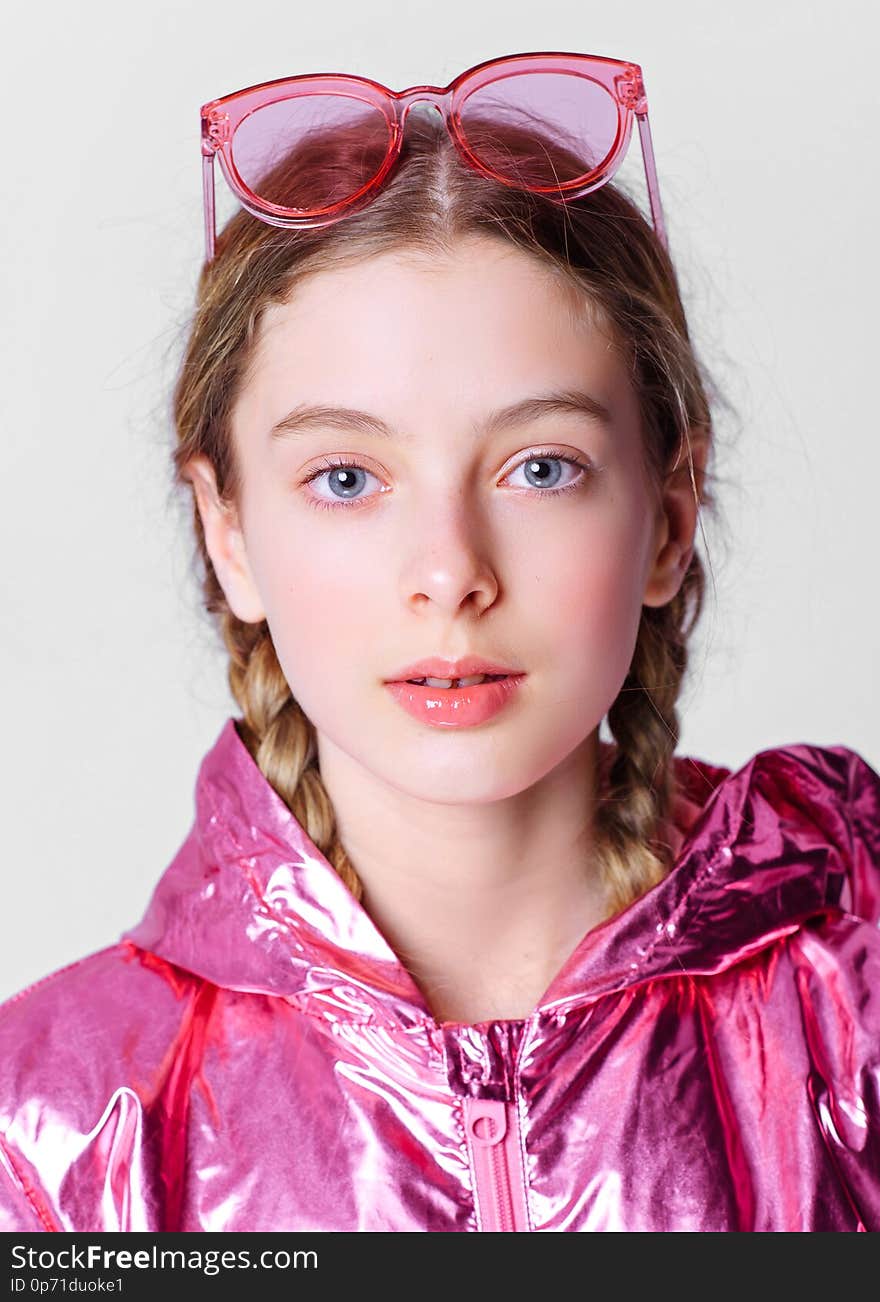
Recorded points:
487,1121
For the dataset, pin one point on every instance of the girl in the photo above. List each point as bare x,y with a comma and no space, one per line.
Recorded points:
435,955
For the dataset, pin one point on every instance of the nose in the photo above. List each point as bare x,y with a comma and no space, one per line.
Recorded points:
446,564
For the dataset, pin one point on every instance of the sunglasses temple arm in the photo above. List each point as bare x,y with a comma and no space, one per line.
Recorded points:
208,195
651,178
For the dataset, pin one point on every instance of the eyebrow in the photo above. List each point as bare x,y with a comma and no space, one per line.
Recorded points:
306,417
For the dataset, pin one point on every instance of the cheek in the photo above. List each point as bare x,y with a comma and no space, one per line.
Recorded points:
587,580
320,598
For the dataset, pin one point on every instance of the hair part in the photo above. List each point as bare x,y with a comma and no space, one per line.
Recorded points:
602,250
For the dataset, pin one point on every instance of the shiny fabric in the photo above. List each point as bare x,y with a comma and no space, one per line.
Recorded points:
253,1055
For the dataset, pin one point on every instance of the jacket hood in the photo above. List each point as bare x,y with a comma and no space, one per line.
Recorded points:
249,903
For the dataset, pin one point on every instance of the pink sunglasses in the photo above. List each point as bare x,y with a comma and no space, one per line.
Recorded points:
264,135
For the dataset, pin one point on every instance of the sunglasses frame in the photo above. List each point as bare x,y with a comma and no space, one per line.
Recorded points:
220,118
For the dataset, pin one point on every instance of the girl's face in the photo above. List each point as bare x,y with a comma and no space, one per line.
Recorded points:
531,540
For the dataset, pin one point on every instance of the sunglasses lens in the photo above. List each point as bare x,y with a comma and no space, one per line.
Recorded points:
280,151
555,127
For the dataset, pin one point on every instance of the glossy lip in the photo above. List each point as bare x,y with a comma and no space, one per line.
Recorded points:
437,667
455,707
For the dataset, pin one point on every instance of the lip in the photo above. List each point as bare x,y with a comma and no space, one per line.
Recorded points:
455,707
437,667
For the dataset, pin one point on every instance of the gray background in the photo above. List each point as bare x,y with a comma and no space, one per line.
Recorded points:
764,120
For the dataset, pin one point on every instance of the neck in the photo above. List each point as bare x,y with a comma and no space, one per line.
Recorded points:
483,903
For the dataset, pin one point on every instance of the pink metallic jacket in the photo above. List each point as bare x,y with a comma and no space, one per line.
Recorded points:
253,1055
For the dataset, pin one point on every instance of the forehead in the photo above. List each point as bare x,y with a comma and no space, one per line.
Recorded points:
449,334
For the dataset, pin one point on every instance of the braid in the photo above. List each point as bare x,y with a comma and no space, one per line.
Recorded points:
638,798
280,738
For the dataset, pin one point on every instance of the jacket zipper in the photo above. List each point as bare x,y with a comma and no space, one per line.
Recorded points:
499,1180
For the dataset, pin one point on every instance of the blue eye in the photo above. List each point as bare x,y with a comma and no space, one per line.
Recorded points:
344,481
535,466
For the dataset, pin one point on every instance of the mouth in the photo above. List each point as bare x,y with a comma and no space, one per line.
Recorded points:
448,683
456,702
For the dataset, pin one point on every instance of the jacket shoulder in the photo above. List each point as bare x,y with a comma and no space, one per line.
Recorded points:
97,991
74,1045
836,967
809,795
835,789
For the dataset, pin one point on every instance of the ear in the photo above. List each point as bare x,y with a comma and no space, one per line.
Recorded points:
677,516
225,543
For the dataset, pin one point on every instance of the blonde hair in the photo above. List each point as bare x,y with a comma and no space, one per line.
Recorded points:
602,248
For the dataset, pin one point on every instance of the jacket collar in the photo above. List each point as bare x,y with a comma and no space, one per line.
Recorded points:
250,903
